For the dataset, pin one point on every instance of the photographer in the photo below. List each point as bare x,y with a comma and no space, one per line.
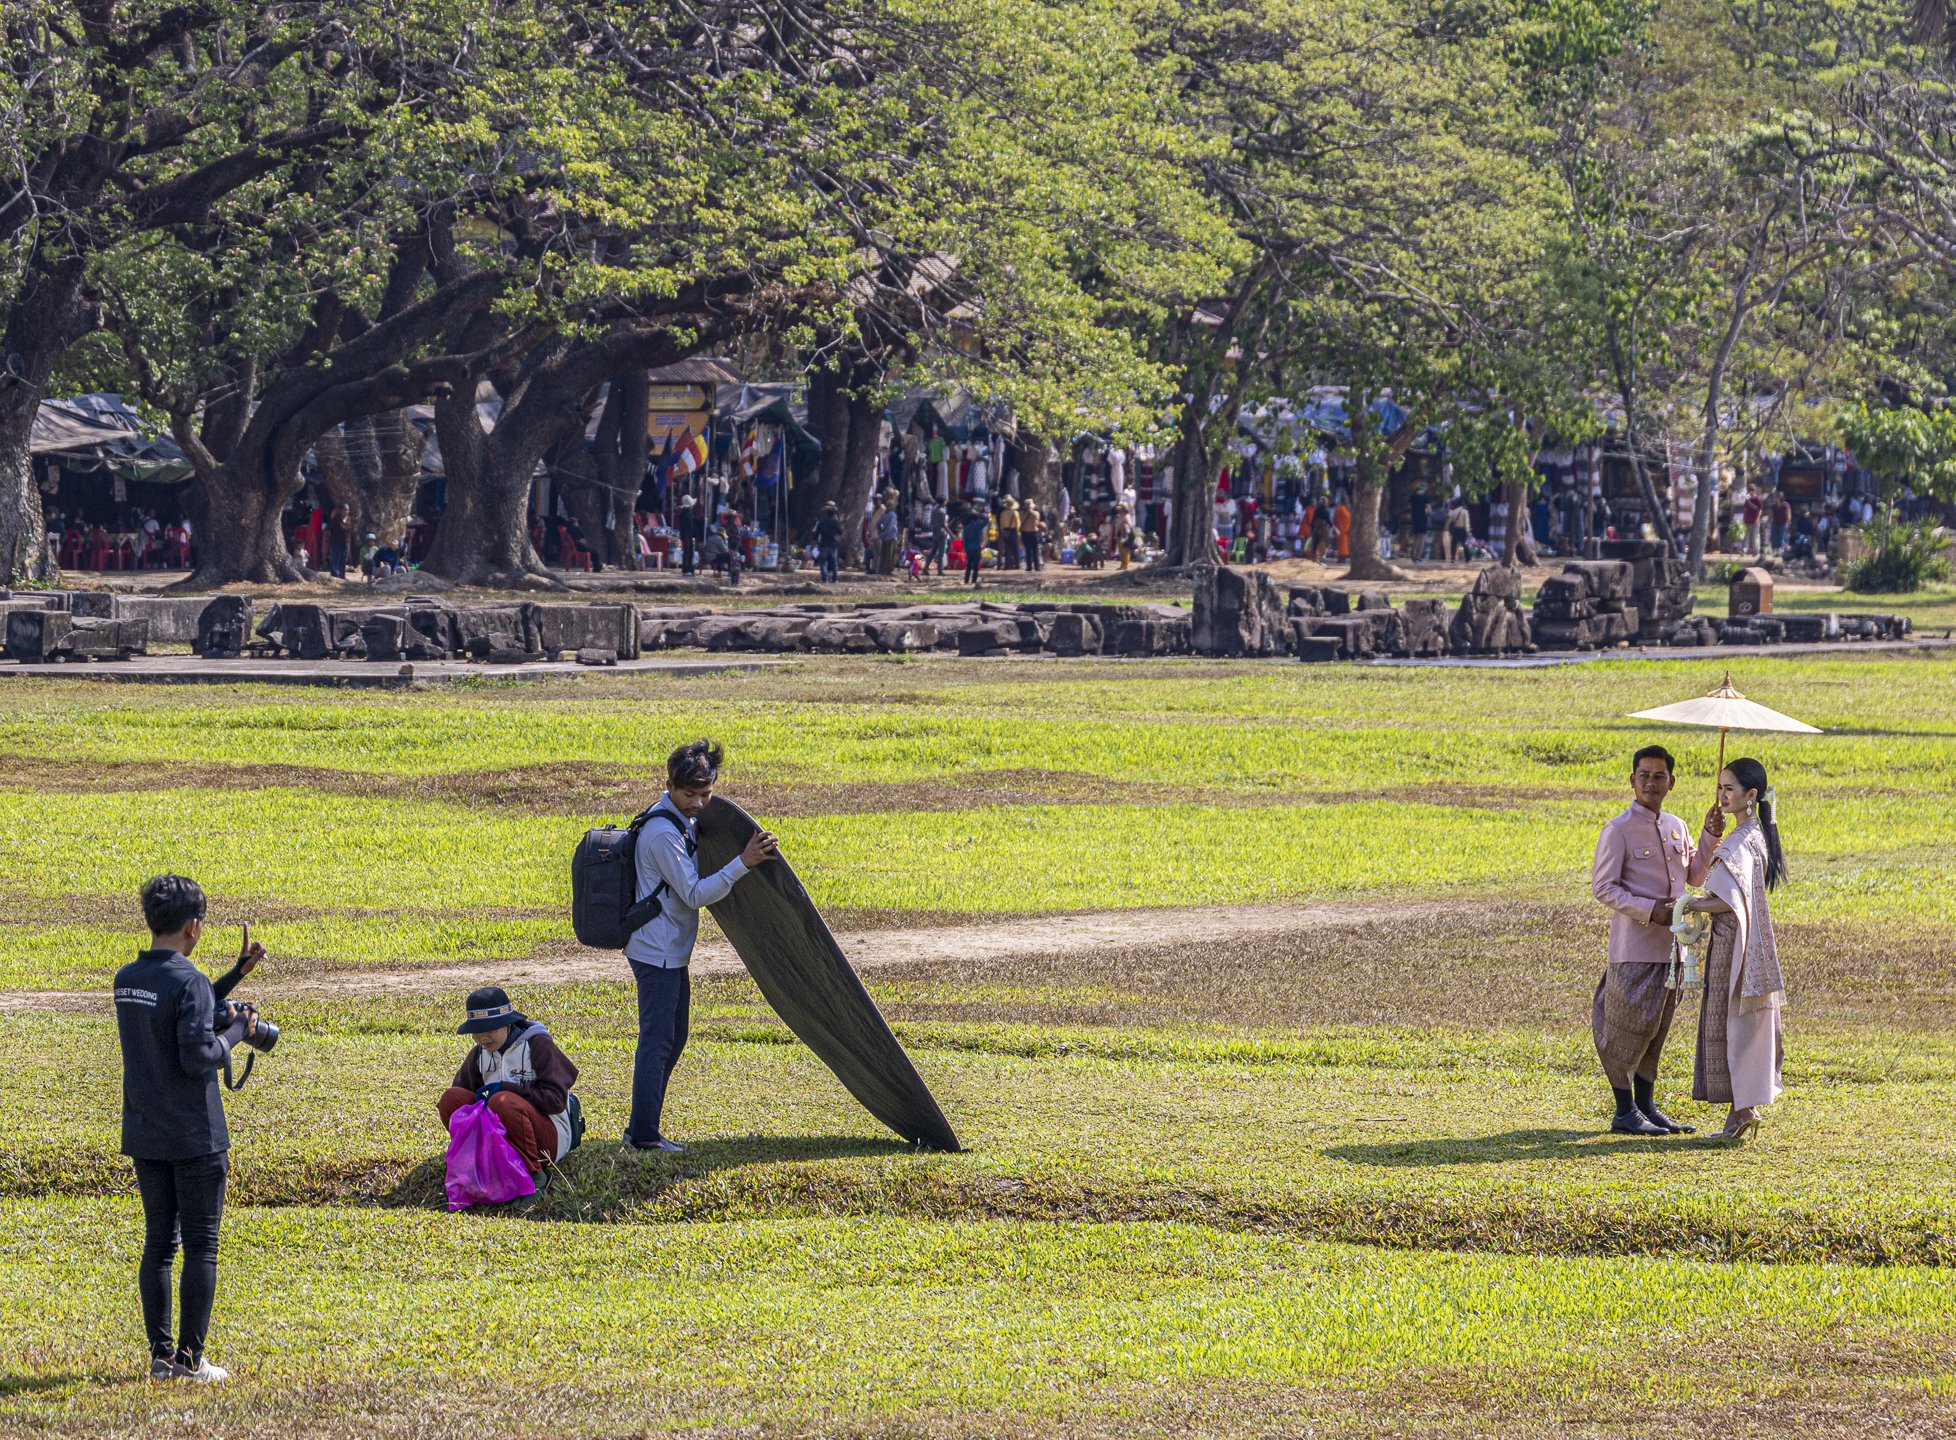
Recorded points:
175,1037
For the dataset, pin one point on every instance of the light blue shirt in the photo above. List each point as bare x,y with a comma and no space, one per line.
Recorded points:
668,940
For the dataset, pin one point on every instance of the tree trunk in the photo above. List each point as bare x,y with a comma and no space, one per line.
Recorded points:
372,465
864,419
1705,504
24,554
1193,540
242,539
623,451
574,477
1369,481
1623,371
1516,550
828,421
484,535
1039,477
1368,495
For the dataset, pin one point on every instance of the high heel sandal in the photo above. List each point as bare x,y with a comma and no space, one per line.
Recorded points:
1736,1135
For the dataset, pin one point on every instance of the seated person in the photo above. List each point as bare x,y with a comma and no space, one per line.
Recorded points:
517,1068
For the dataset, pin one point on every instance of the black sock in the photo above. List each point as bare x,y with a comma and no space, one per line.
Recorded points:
1645,1092
1624,1104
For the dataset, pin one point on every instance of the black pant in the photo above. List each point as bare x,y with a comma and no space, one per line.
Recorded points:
829,560
688,555
183,1204
665,1003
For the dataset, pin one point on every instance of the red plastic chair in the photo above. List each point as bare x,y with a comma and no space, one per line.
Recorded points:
569,554
179,551
71,550
98,550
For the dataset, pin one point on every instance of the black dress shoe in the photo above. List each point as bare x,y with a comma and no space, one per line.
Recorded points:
1635,1123
1667,1124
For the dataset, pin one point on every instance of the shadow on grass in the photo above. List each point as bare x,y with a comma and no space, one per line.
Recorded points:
67,1380
601,1180
1514,1145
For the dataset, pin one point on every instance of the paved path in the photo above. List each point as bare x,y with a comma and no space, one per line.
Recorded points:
195,670
1727,653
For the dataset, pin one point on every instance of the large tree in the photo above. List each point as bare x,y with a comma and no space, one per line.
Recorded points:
125,118
1717,255
1389,221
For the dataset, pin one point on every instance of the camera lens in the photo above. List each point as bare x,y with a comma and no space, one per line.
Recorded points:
265,1037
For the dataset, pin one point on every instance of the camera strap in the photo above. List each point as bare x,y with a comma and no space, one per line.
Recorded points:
251,1058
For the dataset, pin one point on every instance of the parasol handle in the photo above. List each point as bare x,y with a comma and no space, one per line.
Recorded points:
1721,762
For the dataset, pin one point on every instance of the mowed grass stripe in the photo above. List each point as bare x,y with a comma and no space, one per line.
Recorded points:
757,1320
1463,1140
342,851
1181,724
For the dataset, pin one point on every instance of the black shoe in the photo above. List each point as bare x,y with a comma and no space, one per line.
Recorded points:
1634,1123
1644,1098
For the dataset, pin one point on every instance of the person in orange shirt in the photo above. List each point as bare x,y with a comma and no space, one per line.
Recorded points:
1341,521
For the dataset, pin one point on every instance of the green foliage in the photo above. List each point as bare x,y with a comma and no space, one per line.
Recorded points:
1907,556
1905,445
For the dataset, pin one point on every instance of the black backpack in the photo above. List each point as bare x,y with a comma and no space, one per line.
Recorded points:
605,908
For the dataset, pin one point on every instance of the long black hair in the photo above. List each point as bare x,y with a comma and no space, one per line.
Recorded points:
1751,775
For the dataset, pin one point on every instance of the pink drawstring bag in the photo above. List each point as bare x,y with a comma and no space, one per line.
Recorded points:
483,1167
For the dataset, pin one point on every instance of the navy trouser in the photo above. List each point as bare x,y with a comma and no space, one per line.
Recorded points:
183,1203
665,1004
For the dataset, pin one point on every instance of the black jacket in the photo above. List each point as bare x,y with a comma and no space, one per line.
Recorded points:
172,1108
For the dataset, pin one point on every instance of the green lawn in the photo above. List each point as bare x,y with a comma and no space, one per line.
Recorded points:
1348,1180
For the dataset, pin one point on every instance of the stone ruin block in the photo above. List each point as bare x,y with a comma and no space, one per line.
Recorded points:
1075,634
900,637
300,630
39,637
1498,582
1607,579
1317,649
1625,549
1488,625
988,639
581,627
223,627
1423,628
1357,634
838,635
1238,612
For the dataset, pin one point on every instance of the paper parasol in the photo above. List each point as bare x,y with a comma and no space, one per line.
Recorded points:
1722,710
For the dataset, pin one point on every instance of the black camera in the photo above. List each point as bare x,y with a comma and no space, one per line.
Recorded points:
260,1037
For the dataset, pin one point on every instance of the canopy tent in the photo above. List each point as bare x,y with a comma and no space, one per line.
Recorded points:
778,404
957,412
100,432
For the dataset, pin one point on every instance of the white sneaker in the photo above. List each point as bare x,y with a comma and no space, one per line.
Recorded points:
203,1373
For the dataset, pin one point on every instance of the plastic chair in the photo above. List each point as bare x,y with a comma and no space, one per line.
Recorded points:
1239,550
71,551
570,555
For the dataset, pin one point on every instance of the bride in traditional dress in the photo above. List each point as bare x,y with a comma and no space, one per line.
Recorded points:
1739,1044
